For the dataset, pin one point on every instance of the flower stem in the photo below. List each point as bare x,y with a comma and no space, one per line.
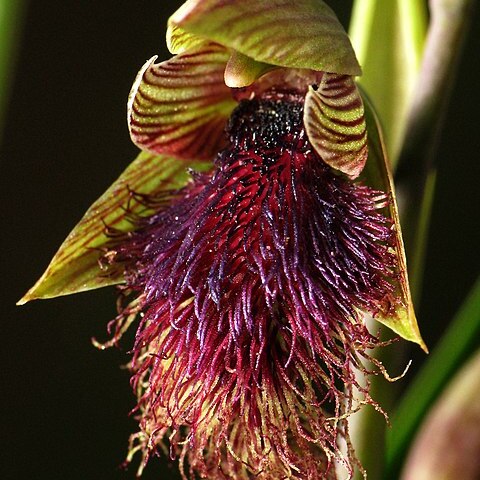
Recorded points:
415,182
416,169
389,37
368,427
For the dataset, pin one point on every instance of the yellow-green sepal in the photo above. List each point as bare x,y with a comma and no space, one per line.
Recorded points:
75,267
377,174
285,33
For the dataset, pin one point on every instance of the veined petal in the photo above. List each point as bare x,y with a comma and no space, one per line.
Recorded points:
181,106
378,175
75,266
295,34
335,123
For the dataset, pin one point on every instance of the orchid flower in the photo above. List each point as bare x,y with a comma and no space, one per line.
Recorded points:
251,240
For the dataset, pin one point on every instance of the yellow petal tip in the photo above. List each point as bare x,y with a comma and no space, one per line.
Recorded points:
25,299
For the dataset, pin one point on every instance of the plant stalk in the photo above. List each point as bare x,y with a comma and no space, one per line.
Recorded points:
450,20
415,182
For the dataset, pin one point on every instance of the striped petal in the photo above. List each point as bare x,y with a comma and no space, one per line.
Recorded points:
335,123
181,106
377,174
295,34
75,266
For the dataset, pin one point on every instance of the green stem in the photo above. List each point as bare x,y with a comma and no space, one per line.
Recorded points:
11,13
416,175
368,426
388,37
415,182
417,262
449,24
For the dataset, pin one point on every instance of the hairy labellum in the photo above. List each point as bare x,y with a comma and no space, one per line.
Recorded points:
252,283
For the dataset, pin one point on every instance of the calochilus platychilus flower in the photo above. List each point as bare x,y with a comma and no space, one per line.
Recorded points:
250,239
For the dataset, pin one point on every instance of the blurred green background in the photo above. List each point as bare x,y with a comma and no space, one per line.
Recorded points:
65,404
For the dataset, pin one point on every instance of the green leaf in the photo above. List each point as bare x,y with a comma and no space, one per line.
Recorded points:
461,336
388,37
75,266
181,106
295,34
335,123
377,174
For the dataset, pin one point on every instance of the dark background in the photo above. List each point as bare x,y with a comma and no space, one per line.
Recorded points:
64,403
